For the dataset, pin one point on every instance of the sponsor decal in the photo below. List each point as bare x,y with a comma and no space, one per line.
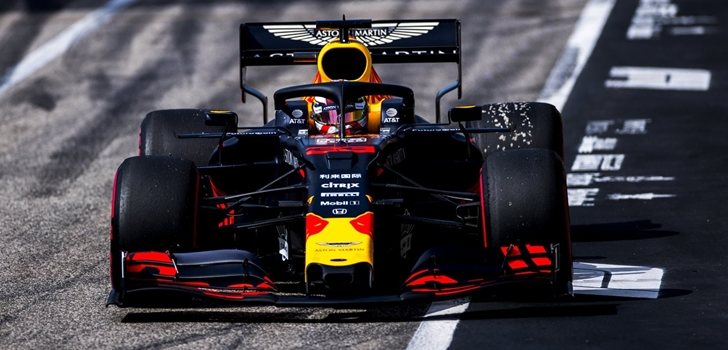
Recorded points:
382,53
338,244
339,203
250,132
340,176
379,34
391,120
405,241
289,158
332,140
391,112
297,113
344,185
340,194
339,211
396,157
417,52
337,250
229,291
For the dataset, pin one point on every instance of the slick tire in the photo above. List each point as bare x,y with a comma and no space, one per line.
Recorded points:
155,204
533,124
524,194
159,130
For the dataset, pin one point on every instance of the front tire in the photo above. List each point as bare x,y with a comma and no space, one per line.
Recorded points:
524,193
157,203
154,208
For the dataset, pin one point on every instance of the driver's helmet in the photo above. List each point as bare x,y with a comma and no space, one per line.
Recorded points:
326,114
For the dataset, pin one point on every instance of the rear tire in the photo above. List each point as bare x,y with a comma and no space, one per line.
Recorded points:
159,130
525,200
534,124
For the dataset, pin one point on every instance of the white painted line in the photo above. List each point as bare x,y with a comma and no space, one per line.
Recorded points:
658,78
598,162
633,127
437,334
588,179
60,44
617,280
590,144
695,30
578,49
652,16
638,196
581,197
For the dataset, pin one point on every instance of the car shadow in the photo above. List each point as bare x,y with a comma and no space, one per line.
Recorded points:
484,311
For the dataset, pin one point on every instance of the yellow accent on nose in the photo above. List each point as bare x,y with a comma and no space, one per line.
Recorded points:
339,244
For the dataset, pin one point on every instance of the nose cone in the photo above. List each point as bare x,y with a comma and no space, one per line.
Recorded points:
339,253
351,279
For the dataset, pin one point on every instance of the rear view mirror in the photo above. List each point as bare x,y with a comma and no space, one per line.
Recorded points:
465,113
227,119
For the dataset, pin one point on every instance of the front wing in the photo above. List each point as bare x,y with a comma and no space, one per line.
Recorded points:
237,276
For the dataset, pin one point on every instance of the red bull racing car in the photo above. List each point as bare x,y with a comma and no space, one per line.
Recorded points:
347,195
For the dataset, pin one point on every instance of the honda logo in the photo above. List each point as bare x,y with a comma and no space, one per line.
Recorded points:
339,211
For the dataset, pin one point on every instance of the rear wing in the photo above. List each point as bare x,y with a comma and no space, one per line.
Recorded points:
389,41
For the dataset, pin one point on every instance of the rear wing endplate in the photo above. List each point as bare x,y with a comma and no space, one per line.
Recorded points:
389,41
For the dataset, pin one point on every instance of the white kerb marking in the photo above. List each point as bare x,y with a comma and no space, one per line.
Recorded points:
61,43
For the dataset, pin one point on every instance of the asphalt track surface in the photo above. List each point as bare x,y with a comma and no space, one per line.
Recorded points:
65,128
645,151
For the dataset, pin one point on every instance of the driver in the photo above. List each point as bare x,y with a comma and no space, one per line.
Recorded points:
326,116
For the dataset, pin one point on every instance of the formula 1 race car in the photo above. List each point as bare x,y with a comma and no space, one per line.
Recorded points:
347,196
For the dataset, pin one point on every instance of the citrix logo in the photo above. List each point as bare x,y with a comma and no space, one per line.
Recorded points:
346,185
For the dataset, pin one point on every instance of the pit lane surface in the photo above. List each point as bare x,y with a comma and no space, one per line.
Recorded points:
68,124
645,151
